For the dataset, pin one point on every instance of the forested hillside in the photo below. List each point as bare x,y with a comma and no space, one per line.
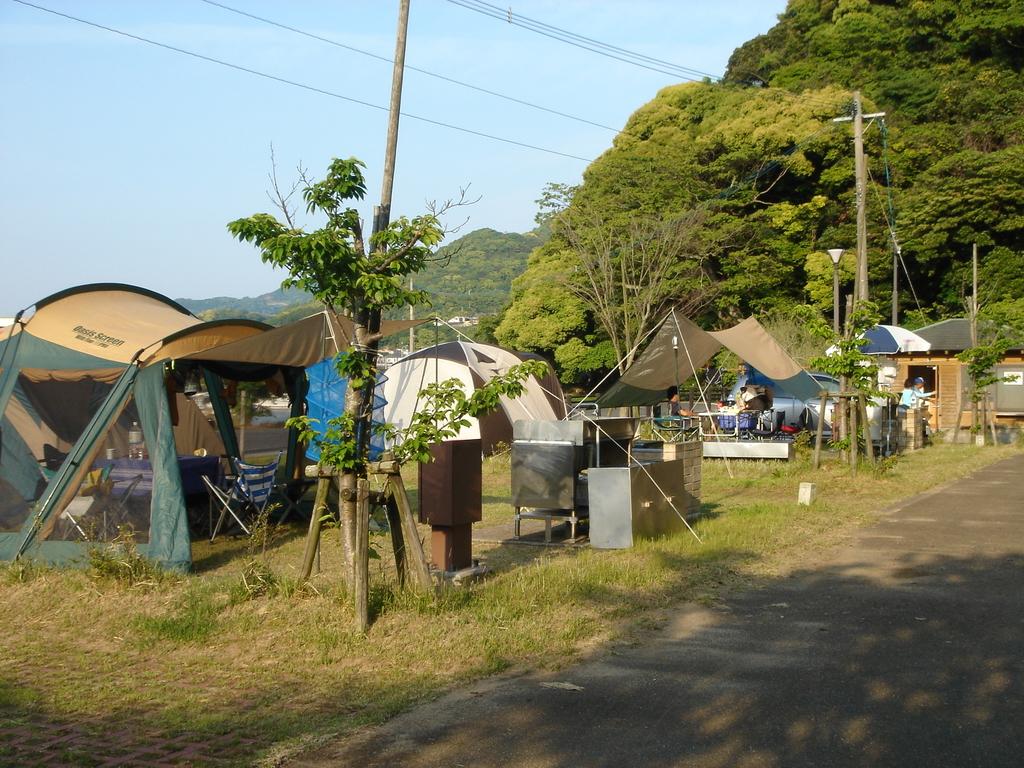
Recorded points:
472,276
765,179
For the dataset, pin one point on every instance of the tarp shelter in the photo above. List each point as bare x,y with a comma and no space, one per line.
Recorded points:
472,364
680,348
310,343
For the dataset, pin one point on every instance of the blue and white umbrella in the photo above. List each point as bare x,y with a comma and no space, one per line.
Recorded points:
891,339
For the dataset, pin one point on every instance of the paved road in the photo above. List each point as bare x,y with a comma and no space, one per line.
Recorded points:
265,440
902,648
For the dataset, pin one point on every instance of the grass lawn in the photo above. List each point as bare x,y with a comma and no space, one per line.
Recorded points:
270,675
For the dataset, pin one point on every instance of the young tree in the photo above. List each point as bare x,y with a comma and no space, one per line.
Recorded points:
630,275
847,362
335,265
981,361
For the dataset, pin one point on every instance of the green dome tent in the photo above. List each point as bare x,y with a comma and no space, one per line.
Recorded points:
83,399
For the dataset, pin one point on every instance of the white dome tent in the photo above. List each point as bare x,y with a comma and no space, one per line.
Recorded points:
472,364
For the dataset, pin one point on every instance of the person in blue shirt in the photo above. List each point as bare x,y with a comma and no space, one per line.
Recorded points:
907,396
676,408
913,395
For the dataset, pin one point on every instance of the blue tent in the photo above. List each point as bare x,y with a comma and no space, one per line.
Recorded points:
325,400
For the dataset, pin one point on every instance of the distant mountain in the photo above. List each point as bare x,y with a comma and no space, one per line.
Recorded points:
473,275
263,307
470,276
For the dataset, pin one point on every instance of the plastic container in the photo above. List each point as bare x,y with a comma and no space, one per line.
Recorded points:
136,446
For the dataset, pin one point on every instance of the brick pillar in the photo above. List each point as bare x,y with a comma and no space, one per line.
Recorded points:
692,454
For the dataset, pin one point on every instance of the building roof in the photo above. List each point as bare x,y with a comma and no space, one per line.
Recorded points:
953,335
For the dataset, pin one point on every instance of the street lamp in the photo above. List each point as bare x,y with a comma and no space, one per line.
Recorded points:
835,254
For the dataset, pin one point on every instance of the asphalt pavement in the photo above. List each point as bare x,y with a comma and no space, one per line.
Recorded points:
903,647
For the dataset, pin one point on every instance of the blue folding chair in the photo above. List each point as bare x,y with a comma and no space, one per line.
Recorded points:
248,493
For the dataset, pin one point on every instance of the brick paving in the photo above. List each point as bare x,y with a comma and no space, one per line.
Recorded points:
32,739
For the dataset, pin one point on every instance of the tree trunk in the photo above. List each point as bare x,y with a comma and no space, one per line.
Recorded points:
357,406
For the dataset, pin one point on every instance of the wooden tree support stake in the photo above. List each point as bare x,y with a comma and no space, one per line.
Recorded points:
821,429
397,539
323,485
413,548
360,560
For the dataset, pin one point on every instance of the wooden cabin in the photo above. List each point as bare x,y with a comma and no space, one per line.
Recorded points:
947,377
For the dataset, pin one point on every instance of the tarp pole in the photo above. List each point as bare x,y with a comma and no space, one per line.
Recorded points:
703,395
8,370
226,427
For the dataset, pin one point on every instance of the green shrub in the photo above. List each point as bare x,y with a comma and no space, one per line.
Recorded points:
22,571
120,561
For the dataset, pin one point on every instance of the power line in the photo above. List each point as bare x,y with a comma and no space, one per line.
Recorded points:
579,41
497,94
427,72
510,18
606,49
303,86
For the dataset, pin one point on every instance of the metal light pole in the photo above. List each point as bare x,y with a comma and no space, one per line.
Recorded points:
675,358
835,254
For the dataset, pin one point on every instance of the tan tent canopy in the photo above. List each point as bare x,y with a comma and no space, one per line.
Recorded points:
753,344
301,344
108,320
203,336
680,348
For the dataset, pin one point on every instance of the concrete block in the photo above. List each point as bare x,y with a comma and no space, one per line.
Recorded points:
807,493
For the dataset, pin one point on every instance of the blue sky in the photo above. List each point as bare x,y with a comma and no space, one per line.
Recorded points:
123,161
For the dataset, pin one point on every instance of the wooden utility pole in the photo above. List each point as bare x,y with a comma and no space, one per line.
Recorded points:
860,288
974,343
382,216
381,219
895,282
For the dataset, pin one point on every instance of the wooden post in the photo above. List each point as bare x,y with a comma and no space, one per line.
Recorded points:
414,547
361,559
397,539
821,428
869,449
854,447
323,485
991,416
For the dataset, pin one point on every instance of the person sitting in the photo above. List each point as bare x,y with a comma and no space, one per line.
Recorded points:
756,398
675,408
